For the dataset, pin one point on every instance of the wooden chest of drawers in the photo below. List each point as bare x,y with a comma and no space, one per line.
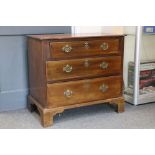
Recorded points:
68,71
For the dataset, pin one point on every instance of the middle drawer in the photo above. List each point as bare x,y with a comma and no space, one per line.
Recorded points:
81,68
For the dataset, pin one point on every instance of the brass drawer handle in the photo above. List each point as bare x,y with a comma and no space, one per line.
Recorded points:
104,46
104,65
67,49
104,88
86,44
67,68
68,93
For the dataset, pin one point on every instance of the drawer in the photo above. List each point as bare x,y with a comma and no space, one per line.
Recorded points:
81,68
68,49
75,92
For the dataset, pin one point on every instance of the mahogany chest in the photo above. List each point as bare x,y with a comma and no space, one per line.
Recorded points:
69,71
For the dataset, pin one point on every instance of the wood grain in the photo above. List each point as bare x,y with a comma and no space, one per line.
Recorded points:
52,90
83,91
90,36
37,76
83,68
79,49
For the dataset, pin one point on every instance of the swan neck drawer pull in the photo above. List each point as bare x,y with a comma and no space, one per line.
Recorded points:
104,46
104,65
103,88
67,49
86,44
68,93
68,68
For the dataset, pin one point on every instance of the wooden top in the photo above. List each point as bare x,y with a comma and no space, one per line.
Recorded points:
67,36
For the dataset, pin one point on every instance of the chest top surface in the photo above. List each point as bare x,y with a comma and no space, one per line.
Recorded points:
72,36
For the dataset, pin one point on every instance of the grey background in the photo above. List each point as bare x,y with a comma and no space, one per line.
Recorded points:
13,63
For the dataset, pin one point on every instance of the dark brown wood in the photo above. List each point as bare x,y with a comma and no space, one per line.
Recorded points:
31,107
91,36
122,55
83,91
37,70
83,68
93,48
53,89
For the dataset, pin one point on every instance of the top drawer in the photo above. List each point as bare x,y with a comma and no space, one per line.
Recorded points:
69,49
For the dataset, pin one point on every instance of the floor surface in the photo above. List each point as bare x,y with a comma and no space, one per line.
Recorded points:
92,117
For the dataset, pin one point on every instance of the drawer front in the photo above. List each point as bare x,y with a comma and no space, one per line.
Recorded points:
76,92
80,68
105,46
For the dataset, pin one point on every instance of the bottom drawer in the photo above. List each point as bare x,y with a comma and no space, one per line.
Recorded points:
75,92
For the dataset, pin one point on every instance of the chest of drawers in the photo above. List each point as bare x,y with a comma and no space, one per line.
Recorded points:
69,71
